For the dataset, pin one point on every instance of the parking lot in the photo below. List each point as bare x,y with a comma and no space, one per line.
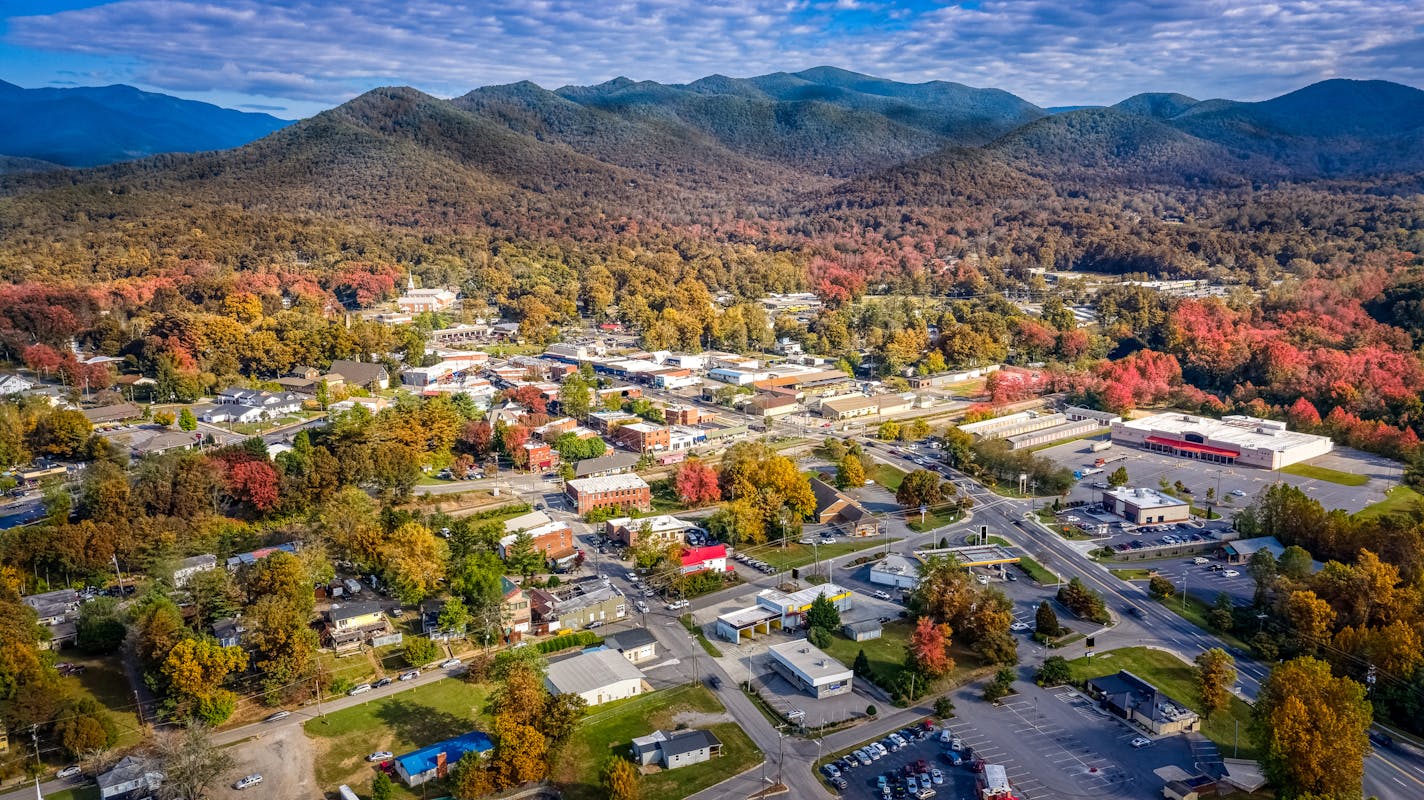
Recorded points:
1146,468
863,782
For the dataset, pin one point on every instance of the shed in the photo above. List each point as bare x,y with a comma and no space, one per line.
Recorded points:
862,631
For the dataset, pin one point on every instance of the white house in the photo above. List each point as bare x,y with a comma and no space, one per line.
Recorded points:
191,566
598,676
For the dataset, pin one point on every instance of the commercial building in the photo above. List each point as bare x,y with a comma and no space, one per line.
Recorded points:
1129,697
598,676
626,492
555,540
1143,506
675,748
576,605
635,644
434,761
810,669
1013,425
1065,429
842,408
1249,441
540,457
1241,550
896,570
610,464
642,437
845,513
777,609
663,528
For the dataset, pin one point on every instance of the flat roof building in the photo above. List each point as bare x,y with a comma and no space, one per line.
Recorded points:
1143,506
810,669
1236,439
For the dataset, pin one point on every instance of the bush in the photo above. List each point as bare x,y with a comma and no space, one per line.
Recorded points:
381,788
1084,602
567,640
943,706
1053,672
420,651
1160,587
819,637
870,711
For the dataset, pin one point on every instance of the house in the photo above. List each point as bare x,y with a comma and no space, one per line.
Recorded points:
626,492
712,558
636,644
429,611
642,437
241,415
675,748
514,609
662,528
111,414
540,457
362,375
1129,697
14,384
770,406
580,604
434,761
810,669
272,403
248,559
834,507
228,632
54,607
163,441
862,631
351,624
133,778
191,566
610,464
598,676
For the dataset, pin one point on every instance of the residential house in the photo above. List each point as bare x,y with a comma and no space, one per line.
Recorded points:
241,415
248,559
361,374
598,676
14,384
229,632
834,507
351,624
434,762
627,492
133,778
273,404
191,566
675,749
663,528
636,644
712,558
514,609
57,611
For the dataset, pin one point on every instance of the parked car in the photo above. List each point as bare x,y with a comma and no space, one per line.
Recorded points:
1019,626
359,689
831,771
1230,573
248,782
69,771
1140,741
882,594
450,663
277,715
380,755
410,676
382,682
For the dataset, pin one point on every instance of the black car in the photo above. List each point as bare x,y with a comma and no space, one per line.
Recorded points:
714,681
382,682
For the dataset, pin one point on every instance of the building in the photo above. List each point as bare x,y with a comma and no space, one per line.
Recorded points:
271,403
1143,506
642,437
810,669
626,492
228,632
111,414
1242,440
770,406
1011,425
712,558
896,570
950,378
598,676
845,513
514,610
349,625
1241,550
636,644
540,457
683,414
361,374
675,748
58,612
14,384
610,464
776,609
1065,429
191,566
606,422
993,783
434,761
133,778
1104,418
1138,702
248,559
417,301
662,528
842,408
862,631
581,604
554,539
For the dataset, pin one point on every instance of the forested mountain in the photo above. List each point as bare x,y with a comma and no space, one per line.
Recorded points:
92,125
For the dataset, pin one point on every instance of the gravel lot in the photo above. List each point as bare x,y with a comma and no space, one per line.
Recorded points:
283,757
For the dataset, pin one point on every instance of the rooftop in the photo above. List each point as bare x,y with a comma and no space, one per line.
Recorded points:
350,610
1241,431
427,758
589,466
590,670
802,597
629,639
689,741
808,659
1126,690
608,483
1144,497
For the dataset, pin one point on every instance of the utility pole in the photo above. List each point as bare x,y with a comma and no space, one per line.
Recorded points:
317,678
780,752
119,574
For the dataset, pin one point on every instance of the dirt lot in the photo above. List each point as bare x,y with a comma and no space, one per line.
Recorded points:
283,757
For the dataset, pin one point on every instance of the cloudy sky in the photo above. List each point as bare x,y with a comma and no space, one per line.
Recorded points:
297,57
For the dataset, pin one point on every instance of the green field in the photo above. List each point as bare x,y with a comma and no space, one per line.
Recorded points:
887,476
104,680
887,655
1037,571
686,620
607,731
80,793
1400,500
1137,574
1177,679
399,723
1326,474
799,555
1195,612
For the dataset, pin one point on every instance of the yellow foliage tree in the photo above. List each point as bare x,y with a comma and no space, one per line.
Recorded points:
1311,728
620,779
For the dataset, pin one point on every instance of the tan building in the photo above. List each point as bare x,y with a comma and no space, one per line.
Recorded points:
1143,506
1138,702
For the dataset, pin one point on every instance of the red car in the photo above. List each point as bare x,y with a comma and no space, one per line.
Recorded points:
928,725
977,765
921,767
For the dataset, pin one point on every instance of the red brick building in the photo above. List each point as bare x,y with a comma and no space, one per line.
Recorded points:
541,457
642,437
625,492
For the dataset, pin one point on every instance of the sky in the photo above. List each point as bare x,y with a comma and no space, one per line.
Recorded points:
297,57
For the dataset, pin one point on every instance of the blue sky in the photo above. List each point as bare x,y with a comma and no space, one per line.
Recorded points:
297,57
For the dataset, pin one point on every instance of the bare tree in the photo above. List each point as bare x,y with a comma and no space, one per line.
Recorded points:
190,762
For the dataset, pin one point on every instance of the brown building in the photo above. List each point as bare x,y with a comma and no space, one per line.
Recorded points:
642,437
834,507
514,611
679,414
625,492
540,457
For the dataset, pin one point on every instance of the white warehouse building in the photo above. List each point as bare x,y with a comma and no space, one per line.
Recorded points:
1248,441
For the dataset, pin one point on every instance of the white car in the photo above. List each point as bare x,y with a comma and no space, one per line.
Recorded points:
380,755
956,743
882,594
248,782
1237,493
1231,573
1019,626
450,663
361,689
983,580
945,736
69,771
643,607
409,676
1140,742
633,577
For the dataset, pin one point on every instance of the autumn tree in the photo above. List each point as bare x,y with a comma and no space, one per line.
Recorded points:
888,431
770,493
1160,586
253,482
696,483
413,562
1311,728
1310,619
620,779
921,488
929,648
194,672
191,762
1215,674
850,472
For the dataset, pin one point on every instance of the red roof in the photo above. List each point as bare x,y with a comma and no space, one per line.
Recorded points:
699,555
1193,447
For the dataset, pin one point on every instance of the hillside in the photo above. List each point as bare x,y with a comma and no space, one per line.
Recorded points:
94,125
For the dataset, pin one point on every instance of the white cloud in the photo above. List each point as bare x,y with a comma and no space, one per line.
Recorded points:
320,52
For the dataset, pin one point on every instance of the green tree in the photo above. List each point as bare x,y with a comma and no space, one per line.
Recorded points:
850,473
1263,570
888,431
100,628
1311,728
1222,616
1054,672
419,651
1215,674
1160,587
944,706
823,614
1118,477
454,617
1046,620
574,397
186,420
921,487
861,666
521,558
820,637
1295,563
381,787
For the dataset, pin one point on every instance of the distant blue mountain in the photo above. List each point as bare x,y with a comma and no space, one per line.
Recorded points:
94,125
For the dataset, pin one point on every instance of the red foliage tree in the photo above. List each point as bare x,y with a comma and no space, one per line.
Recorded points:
253,482
514,438
42,358
929,647
531,398
697,483
476,437
1303,415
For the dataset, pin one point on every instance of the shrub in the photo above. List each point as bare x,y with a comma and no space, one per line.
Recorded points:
870,711
1160,587
819,637
943,706
1053,672
420,651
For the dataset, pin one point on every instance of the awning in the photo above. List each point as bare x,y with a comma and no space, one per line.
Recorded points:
1193,447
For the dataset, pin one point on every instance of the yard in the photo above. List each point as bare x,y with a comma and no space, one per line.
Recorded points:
1400,500
887,476
398,723
1326,474
1177,679
887,656
104,680
799,555
609,730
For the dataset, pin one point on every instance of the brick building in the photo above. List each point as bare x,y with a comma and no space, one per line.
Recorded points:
612,491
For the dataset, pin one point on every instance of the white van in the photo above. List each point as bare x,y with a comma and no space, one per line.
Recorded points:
1199,561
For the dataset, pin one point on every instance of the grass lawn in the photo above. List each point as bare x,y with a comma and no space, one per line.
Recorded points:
1037,571
887,656
887,476
399,723
1326,474
1401,499
1178,680
608,731
1136,574
686,620
798,555
80,793
1195,612
933,520
104,680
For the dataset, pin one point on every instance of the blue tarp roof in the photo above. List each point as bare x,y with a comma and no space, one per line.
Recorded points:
424,759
